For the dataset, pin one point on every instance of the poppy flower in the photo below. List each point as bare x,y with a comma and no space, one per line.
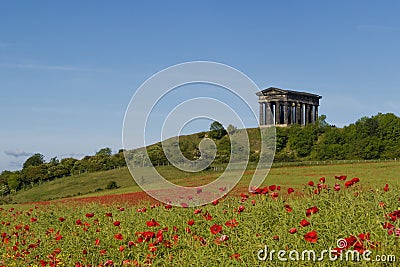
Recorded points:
61,219
311,237
240,209
215,229
103,251
272,187
355,180
381,204
231,223
288,208
223,238
274,195
116,223
118,236
152,223
33,219
199,190
108,214
215,202
341,177
235,256
78,222
191,222
275,237
311,183
207,216
304,223
290,190
168,206
278,188
197,211
322,180
348,183
97,242
386,188
253,202
89,215
336,187
311,210
293,230
121,248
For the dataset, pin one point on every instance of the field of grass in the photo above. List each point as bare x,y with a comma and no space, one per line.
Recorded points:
337,218
374,174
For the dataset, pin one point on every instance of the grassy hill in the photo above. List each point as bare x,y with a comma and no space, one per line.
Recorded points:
373,174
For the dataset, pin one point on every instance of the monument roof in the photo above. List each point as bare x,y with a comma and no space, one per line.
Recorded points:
275,90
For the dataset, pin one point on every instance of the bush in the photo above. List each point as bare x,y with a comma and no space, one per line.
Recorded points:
112,185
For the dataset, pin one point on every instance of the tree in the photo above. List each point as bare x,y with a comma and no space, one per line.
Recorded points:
217,130
104,152
35,160
231,129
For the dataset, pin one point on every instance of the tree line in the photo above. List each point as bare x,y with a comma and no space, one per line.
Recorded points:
377,137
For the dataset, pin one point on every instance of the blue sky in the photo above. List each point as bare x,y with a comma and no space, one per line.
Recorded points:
68,69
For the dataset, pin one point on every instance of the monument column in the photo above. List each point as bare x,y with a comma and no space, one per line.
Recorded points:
277,113
298,114
316,112
285,113
306,119
261,113
268,113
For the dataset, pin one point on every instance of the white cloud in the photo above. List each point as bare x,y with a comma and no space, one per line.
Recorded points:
17,153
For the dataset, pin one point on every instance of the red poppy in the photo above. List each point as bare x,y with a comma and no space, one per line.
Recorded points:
207,216
293,230
184,205
288,208
103,251
215,229
199,190
121,248
311,210
89,215
274,195
235,256
188,230
386,188
118,236
311,183
79,222
355,180
191,222
272,187
33,219
304,223
116,223
336,187
311,237
215,202
278,188
348,183
341,177
240,209
152,223
61,219
275,237
381,204
97,242
322,180
232,223
168,206
197,211
290,190
108,214
253,202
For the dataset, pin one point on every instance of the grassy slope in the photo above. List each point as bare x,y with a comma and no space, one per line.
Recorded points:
373,175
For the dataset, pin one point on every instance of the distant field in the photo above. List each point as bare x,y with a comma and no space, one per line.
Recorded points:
374,175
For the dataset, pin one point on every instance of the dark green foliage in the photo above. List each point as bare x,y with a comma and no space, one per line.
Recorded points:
112,185
217,131
35,160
